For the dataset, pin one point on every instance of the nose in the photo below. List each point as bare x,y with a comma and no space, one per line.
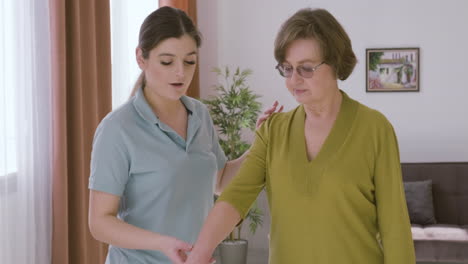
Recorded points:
295,77
179,69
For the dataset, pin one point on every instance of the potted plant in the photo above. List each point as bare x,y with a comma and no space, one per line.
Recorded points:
235,107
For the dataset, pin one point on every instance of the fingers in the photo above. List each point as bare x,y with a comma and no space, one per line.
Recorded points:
268,113
185,246
179,256
272,108
281,109
178,253
183,256
261,119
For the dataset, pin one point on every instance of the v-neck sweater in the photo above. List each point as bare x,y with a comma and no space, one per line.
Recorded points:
347,205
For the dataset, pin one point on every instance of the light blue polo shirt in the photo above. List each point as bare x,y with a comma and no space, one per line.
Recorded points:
166,184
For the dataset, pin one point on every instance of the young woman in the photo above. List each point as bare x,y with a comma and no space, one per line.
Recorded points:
156,160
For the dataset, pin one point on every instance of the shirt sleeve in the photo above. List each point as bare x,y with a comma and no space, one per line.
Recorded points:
215,146
109,160
243,190
392,213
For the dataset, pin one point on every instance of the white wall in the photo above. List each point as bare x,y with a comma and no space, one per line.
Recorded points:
208,24
431,125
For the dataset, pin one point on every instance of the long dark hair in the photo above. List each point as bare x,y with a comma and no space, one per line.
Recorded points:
166,22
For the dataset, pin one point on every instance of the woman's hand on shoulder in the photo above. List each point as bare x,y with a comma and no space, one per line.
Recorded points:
268,113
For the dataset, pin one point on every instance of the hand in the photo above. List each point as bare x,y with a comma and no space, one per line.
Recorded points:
176,250
267,114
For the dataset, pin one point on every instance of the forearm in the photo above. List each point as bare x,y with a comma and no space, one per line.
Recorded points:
230,170
111,230
220,222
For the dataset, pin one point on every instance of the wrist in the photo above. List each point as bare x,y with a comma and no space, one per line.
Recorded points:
158,242
201,253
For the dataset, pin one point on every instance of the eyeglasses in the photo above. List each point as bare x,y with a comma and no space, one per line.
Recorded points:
304,70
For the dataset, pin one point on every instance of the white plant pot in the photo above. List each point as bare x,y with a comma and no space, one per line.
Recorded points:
234,251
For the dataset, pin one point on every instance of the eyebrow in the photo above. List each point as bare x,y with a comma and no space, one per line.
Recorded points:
306,60
172,55
301,61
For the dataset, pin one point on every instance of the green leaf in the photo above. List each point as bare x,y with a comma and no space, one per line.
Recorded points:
216,70
232,108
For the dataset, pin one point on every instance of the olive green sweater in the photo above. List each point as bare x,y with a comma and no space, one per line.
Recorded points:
345,206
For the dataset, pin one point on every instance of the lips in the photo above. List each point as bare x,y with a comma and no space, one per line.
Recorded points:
177,85
299,91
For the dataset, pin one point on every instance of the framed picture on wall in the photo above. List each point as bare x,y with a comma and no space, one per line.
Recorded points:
392,70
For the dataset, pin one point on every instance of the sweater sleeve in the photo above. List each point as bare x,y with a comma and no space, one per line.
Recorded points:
250,179
392,214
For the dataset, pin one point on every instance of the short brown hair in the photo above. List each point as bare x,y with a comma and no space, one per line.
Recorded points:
320,25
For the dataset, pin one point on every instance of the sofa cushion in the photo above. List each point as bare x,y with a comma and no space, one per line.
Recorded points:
447,243
440,232
419,202
449,188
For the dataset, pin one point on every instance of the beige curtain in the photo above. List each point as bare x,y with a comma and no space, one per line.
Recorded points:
81,85
190,7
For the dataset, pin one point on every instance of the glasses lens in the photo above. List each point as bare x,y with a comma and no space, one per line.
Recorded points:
285,70
305,70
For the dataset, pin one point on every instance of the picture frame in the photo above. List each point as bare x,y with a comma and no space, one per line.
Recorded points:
392,70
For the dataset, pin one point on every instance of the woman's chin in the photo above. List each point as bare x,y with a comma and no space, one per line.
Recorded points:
177,94
301,99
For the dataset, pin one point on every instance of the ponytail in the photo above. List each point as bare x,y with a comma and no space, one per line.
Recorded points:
141,82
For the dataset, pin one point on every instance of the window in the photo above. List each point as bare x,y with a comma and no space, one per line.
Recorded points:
25,132
8,160
126,19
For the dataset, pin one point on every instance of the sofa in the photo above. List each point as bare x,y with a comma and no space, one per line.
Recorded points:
447,239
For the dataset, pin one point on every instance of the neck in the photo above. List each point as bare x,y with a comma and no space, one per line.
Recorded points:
327,107
161,106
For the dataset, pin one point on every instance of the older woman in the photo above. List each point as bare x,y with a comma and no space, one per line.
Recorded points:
331,166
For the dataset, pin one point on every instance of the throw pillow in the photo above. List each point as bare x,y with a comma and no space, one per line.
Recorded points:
419,202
